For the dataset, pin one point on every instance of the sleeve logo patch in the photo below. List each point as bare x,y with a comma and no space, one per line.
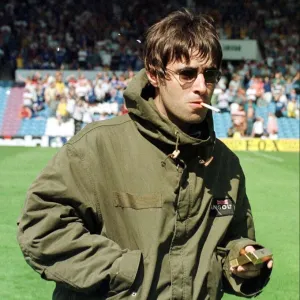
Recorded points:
221,207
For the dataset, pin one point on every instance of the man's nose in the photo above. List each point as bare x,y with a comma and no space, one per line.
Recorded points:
199,85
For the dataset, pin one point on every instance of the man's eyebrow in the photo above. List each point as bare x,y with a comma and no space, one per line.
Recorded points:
187,68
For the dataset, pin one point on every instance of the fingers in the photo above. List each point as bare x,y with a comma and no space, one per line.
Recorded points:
270,264
239,269
246,271
249,270
249,249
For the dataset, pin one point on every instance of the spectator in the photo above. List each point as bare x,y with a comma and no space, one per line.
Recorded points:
272,126
99,92
223,101
239,120
70,43
296,83
82,87
87,115
82,57
292,108
250,115
235,83
28,97
59,84
25,112
258,128
61,111
267,89
278,83
279,106
51,96
78,115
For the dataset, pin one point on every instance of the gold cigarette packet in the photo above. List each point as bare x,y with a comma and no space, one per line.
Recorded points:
256,257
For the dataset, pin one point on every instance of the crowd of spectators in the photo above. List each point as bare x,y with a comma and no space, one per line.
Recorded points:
249,98
77,98
107,37
36,34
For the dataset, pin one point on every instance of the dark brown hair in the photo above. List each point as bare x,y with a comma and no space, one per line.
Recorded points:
175,37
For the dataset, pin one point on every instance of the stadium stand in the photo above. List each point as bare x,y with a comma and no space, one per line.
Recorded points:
11,122
4,94
107,37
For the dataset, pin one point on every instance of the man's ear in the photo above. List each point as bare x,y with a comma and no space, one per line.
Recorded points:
152,79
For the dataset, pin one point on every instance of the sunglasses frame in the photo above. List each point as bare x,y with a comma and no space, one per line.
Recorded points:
194,77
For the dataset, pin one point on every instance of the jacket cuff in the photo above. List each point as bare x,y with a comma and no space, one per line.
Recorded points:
245,287
124,271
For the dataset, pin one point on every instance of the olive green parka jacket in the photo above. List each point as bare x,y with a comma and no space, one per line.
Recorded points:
134,208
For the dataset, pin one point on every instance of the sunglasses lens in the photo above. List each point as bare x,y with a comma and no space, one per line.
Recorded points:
211,76
187,75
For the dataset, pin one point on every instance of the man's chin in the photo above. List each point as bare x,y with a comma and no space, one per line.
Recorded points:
197,119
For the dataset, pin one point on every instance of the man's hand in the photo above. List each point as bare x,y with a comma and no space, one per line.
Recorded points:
249,270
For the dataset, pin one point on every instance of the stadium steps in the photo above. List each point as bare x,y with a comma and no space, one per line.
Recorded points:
4,93
263,112
11,120
222,122
34,127
288,128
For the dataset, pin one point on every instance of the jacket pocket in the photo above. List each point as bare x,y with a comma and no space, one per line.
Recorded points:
137,201
136,221
214,279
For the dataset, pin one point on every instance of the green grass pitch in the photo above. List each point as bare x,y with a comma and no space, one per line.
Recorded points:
273,190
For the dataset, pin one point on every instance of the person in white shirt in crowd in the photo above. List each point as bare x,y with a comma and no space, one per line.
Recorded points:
82,57
87,114
99,78
99,92
78,115
82,87
106,56
106,87
235,83
267,89
28,98
272,126
223,101
283,98
114,107
258,128
71,100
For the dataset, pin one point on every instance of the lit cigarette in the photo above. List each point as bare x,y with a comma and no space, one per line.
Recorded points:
210,107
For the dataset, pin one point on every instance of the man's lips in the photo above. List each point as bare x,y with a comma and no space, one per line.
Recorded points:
196,103
202,104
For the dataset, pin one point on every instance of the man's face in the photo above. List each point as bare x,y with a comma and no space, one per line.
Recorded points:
181,103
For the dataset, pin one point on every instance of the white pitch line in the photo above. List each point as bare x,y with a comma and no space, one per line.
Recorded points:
279,159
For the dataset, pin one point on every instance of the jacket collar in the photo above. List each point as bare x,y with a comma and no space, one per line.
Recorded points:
142,109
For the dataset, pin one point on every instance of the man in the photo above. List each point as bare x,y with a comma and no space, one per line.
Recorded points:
150,204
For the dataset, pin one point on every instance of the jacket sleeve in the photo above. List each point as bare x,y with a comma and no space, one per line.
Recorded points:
240,234
59,230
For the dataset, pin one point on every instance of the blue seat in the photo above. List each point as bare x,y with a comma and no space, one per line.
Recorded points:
288,128
4,94
35,127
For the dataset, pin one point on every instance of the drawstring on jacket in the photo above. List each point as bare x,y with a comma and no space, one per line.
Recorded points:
175,153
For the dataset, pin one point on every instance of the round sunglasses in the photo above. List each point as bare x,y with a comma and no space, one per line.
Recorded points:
189,75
